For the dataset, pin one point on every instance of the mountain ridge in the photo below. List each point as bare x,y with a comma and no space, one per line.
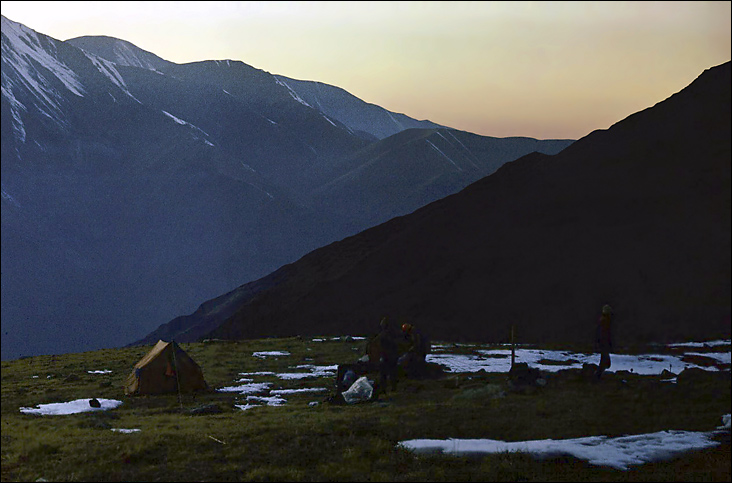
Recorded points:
130,193
637,216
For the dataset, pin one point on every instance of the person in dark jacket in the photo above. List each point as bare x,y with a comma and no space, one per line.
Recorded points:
383,351
603,340
414,361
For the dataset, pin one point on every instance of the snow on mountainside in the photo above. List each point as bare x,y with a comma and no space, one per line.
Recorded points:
119,51
27,47
133,188
353,112
36,62
333,103
120,208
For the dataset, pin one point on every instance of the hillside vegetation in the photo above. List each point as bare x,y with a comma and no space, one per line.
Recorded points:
310,439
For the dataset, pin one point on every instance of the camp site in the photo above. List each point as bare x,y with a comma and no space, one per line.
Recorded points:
268,410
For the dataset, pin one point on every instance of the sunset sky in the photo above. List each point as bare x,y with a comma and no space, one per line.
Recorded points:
538,69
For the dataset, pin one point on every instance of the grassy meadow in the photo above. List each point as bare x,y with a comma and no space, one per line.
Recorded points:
300,441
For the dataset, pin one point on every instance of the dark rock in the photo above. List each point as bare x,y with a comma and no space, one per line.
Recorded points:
692,375
521,374
95,403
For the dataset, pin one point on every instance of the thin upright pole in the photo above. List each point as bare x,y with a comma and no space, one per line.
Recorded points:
513,349
177,379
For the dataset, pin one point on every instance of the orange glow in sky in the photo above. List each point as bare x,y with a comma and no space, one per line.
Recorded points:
537,69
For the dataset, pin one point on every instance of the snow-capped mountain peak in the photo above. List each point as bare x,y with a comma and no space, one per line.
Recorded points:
25,47
35,59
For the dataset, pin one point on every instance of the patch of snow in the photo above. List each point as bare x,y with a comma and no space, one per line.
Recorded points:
109,70
712,343
125,55
23,52
15,107
499,360
315,371
445,155
269,400
289,376
470,153
71,407
292,92
244,407
246,166
123,430
247,388
178,120
7,197
297,391
25,46
328,119
620,453
263,354
103,371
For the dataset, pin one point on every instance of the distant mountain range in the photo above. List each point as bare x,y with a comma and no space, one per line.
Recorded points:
134,188
636,216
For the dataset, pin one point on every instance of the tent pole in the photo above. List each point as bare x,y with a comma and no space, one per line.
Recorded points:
177,379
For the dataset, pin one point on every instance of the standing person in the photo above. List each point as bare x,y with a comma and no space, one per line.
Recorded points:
419,346
604,339
384,352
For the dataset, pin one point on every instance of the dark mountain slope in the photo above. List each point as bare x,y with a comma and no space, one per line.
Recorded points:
416,167
637,216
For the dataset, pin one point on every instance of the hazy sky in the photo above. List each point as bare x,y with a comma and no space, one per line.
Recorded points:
538,69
